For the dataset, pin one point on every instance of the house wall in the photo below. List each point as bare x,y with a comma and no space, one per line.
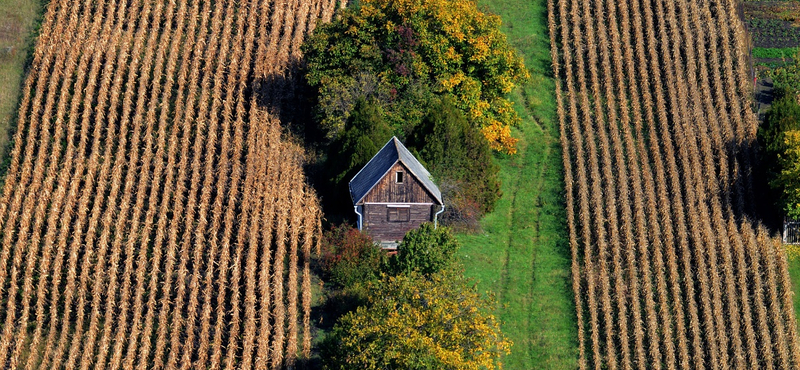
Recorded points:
376,220
388,191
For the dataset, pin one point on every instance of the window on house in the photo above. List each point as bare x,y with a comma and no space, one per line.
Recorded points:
399,177
397,214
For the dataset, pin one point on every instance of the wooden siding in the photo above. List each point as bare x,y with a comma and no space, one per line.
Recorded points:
388,191
376,221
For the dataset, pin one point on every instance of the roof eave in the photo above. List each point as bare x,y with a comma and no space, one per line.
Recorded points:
375,184
431,192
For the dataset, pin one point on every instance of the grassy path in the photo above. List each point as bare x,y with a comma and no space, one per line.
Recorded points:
522,255
18,19
793,257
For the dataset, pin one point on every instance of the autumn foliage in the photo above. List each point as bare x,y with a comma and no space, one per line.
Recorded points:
659,148
779,137
399,52
411,321
350,257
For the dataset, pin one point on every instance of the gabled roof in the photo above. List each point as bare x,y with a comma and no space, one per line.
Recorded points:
394,151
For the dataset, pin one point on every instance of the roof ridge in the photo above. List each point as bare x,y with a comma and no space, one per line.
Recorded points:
384,159
373,157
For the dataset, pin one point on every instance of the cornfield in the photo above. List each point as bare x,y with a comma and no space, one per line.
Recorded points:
658,146
153,215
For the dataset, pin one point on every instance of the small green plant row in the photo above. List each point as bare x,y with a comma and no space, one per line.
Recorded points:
772,53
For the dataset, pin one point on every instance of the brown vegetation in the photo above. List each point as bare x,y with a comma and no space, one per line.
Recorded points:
152,215
668,271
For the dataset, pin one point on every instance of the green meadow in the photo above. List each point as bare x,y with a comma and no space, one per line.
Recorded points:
521,255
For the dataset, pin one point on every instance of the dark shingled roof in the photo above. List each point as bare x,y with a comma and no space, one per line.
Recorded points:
381,163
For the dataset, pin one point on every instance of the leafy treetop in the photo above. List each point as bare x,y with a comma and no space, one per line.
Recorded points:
391,49
426,250
415,322
789,176
779,137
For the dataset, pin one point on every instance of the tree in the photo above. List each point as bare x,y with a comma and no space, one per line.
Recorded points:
406,50
779,137
460,159
426,250
789,177
416,322
783,116
366,131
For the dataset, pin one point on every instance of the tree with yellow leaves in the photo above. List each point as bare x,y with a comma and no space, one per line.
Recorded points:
413,321
403,52
789,177
779,137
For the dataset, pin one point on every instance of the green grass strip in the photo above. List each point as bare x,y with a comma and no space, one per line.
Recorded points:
522,255
19,24
793,258
771,53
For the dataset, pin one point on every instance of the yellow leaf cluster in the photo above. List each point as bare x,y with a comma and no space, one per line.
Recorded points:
418,322
790,171
500,138
793,251
459,40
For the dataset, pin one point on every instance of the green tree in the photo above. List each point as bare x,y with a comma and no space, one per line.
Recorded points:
365,133
403,50
416,322
426,250
779,157
459,158
789,177
783,115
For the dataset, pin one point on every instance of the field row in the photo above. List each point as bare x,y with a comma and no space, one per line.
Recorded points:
658,143
152,216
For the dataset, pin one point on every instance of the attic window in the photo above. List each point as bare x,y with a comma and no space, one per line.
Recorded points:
399,177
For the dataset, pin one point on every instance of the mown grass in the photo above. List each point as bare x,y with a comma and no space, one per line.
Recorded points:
794,274
18,22
521,256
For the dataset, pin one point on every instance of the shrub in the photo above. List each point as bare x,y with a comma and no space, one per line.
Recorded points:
787,78
349,257
461,212
425,250
461,161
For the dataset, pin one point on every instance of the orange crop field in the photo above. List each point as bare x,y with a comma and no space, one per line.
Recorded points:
153,216
669,272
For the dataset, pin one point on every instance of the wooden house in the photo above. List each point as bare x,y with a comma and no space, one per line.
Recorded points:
393,194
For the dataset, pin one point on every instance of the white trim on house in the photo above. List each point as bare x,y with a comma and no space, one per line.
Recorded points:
389,204
411,165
